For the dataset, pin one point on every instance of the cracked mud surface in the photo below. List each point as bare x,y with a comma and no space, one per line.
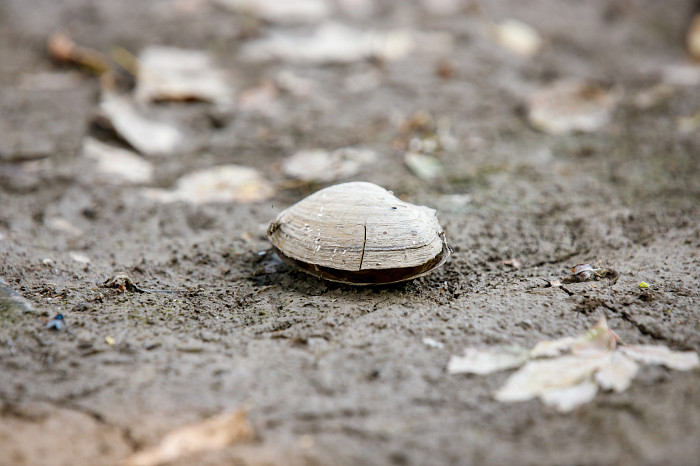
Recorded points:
348,366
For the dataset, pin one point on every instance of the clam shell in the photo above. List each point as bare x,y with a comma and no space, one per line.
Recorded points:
359,233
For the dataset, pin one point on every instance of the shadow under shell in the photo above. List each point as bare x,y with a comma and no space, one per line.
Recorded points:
369,276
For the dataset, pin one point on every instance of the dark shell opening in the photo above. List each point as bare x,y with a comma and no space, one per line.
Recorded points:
369,276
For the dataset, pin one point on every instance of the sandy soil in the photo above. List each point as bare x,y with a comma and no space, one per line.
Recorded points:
334,374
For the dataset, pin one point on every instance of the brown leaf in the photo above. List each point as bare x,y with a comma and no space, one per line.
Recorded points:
214,433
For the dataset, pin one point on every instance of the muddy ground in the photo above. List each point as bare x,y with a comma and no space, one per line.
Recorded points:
333,374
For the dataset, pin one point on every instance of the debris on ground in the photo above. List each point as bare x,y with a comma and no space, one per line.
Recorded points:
224,183
11,301
433,343
692,39
261,99
425,167
286,12
116,165
62,225
144,134
63,49
122,282
56,323
571,105
514,262
586,272
170,73
321,166
518,37
214,433
478,361
337,43
568,372
653,96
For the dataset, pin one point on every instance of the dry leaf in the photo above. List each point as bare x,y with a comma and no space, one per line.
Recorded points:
571,105
617,373
597,340
261,99
659,354
433,343
331,43
478,361
80,258
276,11
567,398
169,73
693,38
225,183
688,124
682,74
145,135
518,37
514,262
117,165
425,167
567,372
214,433
539,376
63,49
442,7
62,225
548,349
653,96
322,166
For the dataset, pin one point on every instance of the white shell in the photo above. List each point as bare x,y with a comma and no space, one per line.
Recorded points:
359,233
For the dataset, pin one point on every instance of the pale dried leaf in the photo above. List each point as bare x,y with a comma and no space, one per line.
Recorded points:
216,432
567,398
545,348
596,340
653,96
80,258
357,8
169,73
331,43
517,37
323,166
117,165
693,38
568,380
225,183
617,373
571,105
425,167
513,262
540,376
442,7
145,135
681,74
599,339
659,354
688,124
433,343
294,84
479,361
261,99
286,11
62,225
